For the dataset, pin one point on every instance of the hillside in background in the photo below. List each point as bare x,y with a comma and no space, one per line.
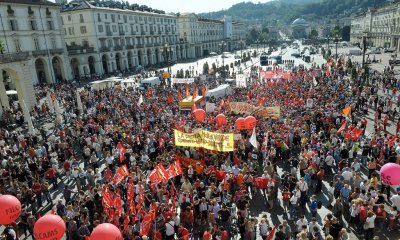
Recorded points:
285,11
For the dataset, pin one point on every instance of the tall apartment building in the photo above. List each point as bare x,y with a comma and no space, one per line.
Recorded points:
381,26
104,39
209,35
32,48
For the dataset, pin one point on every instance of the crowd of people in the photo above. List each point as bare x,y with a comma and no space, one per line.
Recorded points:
100,162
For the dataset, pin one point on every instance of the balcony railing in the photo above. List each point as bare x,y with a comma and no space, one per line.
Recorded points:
104,49
56,51
37,53
151,32
121,33
130,46
149,45
139,45
77,49
133,33
13,57
143,33
118,48
109,33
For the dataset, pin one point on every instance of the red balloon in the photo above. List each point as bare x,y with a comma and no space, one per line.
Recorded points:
49,227
220,119
10,209
106,231
250,122
199,115
240,124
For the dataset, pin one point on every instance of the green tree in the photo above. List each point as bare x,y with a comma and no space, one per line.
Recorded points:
187,73
349,65
346,33
181,74
254,53
323,52
231,65
214,66
205,68
354,73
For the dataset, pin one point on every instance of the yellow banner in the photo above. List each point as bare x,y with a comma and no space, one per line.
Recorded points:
208,140
264,112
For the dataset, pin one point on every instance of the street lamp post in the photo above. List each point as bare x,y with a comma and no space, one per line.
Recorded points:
167,53
222,44
336,43
364,42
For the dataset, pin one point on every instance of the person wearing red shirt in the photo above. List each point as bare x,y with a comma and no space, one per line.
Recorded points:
207,235
183,233
51,175
67,169
37,189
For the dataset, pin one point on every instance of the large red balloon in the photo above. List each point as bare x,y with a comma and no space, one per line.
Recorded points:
106,231
250,122
240,124
10,209
49,227
220,119
199,115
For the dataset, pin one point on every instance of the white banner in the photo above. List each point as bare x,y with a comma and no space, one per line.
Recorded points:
240,80
182,80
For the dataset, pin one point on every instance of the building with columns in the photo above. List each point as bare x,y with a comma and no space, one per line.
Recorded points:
32,48
381,26
104,39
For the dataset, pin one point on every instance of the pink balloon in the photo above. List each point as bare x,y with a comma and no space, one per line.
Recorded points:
49,227
390,174
106,231
10,209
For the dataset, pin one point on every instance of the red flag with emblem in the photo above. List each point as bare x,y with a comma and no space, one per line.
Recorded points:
122,172
158,174
130,189
260,182
106,197
146,224
170,99
141,198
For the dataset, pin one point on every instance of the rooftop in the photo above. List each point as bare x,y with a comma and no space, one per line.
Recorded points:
30,2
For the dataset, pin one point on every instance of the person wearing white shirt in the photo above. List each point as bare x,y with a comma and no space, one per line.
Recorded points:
300,223
170,229
396,200
347,175
356,165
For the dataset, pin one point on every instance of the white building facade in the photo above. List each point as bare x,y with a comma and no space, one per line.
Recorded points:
33,48
381,26
102,40
209,35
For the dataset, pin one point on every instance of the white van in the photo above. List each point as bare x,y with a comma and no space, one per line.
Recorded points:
149,82
219,92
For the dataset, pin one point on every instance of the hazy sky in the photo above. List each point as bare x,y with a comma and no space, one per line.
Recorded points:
196,6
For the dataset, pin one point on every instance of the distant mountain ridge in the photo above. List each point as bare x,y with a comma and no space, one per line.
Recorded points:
285,11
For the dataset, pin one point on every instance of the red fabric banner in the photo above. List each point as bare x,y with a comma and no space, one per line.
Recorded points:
260,182
107,199
146,224
341,129
122,172
158,174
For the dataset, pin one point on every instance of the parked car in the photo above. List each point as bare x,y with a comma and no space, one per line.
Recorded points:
389,50
395,61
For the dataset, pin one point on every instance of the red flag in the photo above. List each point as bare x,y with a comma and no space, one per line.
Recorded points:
158,174
187,90
356,133
341,129
130,189
117,204
122,172
146,224
271,234
122,151
141,198
107,202
204,91
170,99
180,98
391,140
260,182
126,222
194,96
174,169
